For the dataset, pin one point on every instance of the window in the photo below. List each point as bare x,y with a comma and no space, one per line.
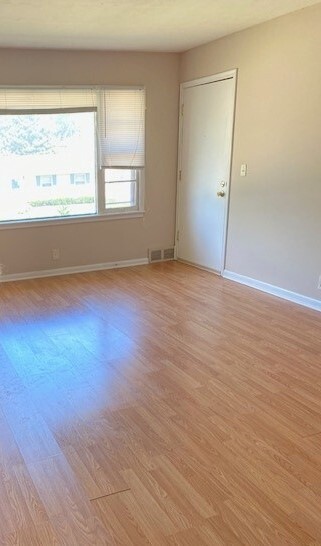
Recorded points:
121,188
46,180
39,153
79,178
70,152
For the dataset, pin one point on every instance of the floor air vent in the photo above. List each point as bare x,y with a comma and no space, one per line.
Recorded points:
161,254
155,256
168,254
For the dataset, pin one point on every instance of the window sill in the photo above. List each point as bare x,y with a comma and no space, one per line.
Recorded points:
71,220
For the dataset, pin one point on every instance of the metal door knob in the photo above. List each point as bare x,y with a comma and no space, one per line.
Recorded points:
220,193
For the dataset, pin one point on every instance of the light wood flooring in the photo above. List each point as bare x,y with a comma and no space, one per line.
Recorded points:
157,405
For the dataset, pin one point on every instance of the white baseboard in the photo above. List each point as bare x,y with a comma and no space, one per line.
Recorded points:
274,290
70,270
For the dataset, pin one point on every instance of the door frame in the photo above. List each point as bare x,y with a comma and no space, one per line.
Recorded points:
227,75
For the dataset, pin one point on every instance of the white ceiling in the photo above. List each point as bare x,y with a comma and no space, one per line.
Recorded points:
138,25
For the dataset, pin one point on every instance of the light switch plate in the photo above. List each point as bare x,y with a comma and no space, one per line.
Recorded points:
243,171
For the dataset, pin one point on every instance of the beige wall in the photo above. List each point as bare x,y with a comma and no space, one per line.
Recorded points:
23,250
275,212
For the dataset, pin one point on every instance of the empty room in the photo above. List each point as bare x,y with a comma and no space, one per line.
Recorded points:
160,273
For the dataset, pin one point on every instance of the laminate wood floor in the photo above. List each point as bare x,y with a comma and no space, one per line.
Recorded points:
157,405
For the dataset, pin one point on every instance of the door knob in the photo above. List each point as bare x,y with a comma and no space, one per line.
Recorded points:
220,193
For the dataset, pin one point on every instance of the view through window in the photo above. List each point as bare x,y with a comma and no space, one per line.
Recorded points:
70,152
47,165
121,188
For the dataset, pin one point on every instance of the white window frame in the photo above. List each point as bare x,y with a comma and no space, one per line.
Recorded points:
139,199
101,213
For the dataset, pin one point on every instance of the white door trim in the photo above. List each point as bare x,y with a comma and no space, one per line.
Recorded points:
231,75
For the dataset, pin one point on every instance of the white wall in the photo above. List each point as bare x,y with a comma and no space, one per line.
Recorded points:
275,212
29,249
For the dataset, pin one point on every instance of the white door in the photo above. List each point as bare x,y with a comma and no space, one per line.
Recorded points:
205,156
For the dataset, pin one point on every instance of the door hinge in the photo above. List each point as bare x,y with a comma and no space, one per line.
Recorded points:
179,175
182,109
177,235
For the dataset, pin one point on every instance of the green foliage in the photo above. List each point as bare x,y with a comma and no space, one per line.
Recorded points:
63,210
34,134
62,201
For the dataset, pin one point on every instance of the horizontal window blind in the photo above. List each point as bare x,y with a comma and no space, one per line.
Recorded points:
121,127
18,99
120,120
